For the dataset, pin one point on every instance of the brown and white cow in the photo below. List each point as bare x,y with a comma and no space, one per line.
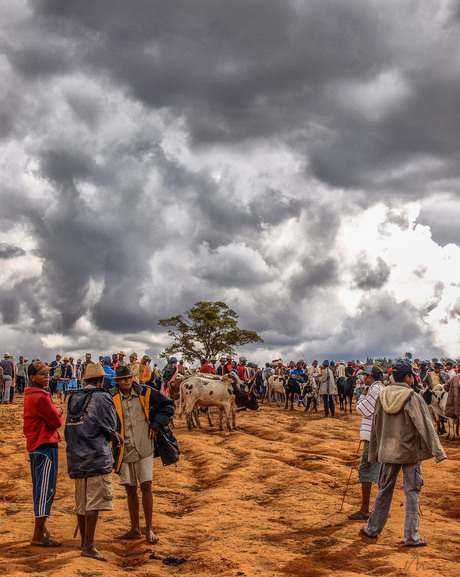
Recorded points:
220,392
436,398
276,386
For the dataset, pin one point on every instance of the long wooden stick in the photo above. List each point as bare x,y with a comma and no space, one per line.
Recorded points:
348,482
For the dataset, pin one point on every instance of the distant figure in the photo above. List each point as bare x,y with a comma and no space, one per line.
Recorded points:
8,376
206,368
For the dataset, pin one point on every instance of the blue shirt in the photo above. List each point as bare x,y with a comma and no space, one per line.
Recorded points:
108,382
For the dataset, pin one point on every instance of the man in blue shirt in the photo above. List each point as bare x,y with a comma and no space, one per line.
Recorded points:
109,381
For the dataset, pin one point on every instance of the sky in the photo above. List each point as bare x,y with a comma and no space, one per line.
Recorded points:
298,160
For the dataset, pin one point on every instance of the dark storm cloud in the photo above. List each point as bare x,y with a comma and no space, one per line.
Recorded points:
368,276
313,276
235,75
356,100
10,251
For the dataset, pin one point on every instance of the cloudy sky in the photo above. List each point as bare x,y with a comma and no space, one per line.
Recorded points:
298,160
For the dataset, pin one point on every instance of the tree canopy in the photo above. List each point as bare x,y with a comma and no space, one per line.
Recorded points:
207,329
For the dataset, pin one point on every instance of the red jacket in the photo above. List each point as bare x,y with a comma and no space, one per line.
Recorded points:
41,418
243,372
207,369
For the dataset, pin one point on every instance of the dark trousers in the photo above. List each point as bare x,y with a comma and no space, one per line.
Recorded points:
20,383
328,401
311,401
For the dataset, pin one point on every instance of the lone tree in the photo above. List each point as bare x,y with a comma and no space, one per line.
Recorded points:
207,329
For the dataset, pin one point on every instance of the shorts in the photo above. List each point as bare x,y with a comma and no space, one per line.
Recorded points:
60,385
131,473
72,385
44,469
368,472
94,494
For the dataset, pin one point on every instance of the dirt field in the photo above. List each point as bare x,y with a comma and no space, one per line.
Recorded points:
260,501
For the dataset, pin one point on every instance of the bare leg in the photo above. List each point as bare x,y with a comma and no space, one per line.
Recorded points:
366,489
133,508
88,549
147,505
81,527
40,532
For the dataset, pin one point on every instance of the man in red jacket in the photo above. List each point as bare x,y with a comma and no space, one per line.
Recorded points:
206,368
42,420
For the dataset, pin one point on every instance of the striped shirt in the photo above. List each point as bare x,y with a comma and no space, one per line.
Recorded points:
365,406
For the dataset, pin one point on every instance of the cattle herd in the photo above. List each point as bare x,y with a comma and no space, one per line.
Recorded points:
197,393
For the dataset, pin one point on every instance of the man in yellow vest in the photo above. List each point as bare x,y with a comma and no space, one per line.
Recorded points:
141,413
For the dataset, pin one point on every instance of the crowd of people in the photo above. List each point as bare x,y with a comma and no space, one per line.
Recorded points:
118,415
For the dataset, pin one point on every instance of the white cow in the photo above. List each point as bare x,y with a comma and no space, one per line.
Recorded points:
438,405
199,391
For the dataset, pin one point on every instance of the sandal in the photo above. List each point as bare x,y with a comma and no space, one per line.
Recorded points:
47,543
359,516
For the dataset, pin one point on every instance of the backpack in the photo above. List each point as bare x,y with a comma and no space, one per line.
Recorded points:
57,375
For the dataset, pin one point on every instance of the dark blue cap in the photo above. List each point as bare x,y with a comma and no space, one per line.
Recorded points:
404,367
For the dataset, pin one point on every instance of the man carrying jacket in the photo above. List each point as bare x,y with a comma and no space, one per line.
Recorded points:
42,420
90,427
402,436
141,412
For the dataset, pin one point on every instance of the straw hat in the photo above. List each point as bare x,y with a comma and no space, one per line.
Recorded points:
94,371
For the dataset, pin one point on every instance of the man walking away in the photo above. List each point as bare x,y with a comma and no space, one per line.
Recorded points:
42,420
368,472
141,412
90,427
328,389
8,376
402,437
21,375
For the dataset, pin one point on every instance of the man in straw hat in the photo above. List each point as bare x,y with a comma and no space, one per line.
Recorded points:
90,427
133,366
121,359
141,412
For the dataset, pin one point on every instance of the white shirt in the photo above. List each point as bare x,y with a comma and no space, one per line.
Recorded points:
366,406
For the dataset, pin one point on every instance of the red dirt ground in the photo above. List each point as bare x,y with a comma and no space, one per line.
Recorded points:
260,501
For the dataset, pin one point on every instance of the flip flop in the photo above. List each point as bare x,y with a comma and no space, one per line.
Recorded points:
358,516
47,543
